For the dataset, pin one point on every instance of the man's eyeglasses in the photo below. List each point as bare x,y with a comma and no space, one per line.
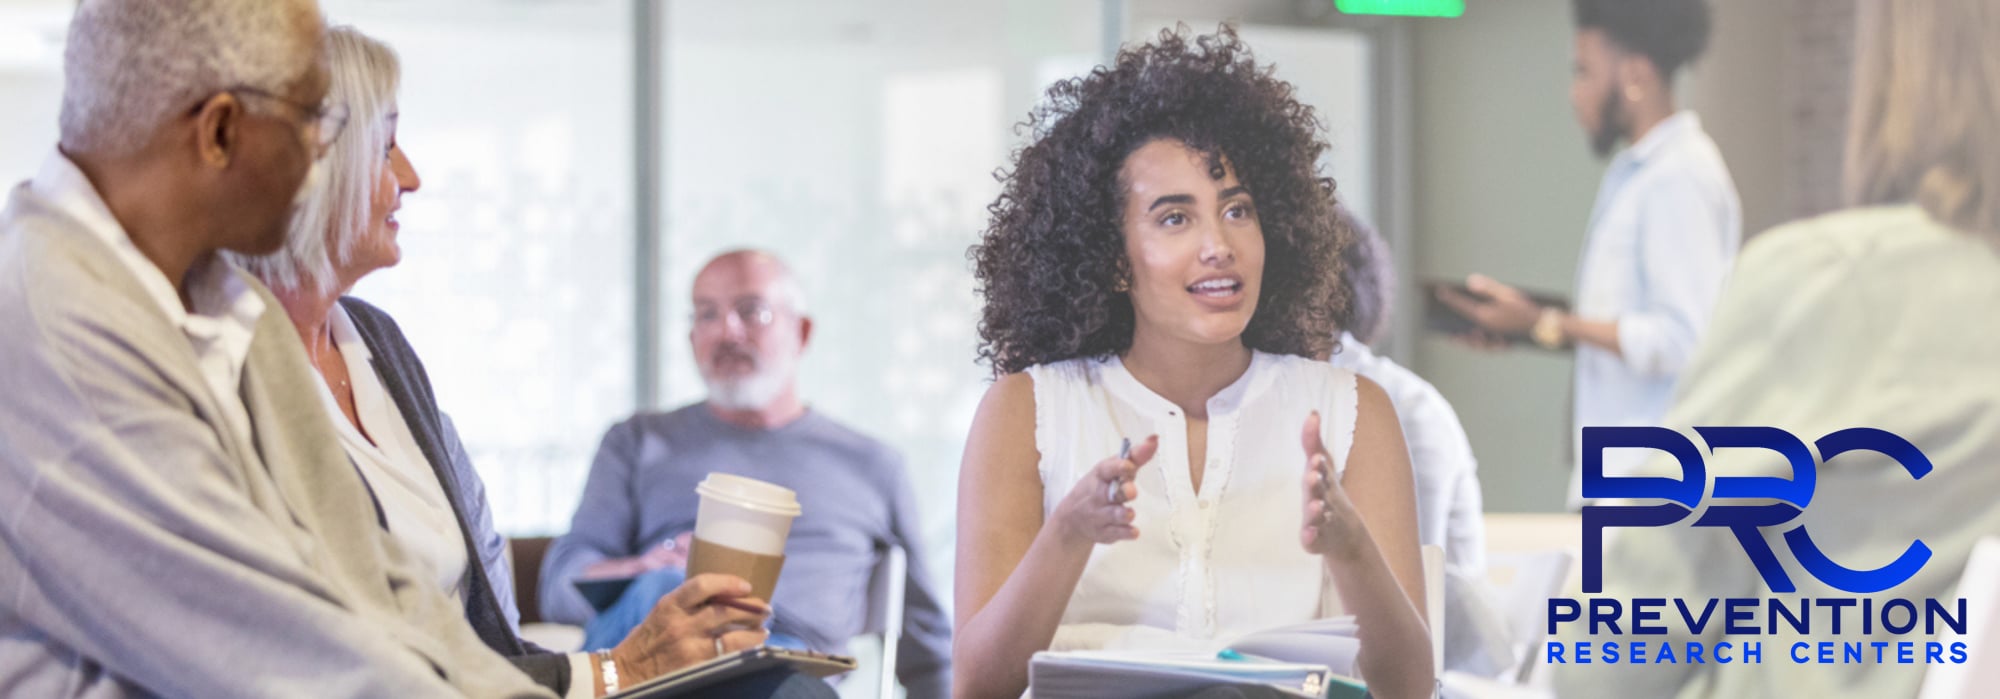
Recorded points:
752,313
325,121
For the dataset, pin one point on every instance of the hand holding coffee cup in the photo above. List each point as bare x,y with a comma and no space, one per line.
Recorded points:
1094,511
740,529
705,617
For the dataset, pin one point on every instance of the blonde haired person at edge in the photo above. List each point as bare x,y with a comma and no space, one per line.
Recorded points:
1875,316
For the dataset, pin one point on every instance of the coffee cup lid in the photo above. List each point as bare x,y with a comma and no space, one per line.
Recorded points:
750,494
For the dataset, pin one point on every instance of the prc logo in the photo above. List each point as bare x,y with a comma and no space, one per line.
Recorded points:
1744,520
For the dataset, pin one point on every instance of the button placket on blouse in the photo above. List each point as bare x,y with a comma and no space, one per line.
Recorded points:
1222,424
1182,526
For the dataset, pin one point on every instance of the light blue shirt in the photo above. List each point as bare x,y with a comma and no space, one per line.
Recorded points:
1663,234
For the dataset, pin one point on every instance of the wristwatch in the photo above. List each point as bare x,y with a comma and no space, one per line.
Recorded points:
1548,330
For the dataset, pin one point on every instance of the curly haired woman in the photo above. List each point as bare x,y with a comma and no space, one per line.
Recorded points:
1160,273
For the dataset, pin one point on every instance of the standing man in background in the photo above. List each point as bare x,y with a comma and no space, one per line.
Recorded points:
1662,234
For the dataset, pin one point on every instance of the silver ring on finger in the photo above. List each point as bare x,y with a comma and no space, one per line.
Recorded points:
718,646
1111,494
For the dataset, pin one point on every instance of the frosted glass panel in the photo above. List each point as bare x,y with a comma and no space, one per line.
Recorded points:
31,40
516,284
858,139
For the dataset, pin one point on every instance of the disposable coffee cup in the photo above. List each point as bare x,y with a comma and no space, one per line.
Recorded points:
740,529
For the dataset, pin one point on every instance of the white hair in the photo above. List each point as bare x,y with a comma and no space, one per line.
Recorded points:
337,210
787,284
130,65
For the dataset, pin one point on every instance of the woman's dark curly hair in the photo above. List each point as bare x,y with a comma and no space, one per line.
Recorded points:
1053,251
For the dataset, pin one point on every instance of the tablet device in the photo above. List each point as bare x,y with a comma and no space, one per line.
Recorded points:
687,681
1441,318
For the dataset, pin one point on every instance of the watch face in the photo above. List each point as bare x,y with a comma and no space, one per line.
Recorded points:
1548,329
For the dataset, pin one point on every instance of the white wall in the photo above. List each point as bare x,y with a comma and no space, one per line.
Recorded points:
1503,184
1740,90
858,139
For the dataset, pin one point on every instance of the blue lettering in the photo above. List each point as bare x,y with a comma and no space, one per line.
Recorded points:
1695,624
1605,611
1798,653
1753,652
1694,652
1838,604
1896,572
1570,611
1722,652
1933,652
1933,610
1905,652
1638,652
1686,491
1555,652
1889,622
1958,652
1800,624
1646,609
1739,609
1786,499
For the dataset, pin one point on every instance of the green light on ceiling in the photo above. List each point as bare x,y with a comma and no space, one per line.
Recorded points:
1406,8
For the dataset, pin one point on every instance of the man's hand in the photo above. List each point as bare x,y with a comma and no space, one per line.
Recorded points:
1498,309
687,624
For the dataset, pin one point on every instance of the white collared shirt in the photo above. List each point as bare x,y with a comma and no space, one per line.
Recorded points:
1663,234
420,515
1449,510
225,311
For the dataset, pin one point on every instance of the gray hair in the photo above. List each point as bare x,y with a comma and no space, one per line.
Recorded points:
787,283
338,210
1370,278
132,64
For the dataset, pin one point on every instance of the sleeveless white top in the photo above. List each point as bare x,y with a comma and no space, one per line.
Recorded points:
1209,566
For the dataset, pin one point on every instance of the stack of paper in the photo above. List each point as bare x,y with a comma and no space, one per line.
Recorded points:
1138,675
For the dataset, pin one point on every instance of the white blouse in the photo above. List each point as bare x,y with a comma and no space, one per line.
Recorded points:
1212,565
419,514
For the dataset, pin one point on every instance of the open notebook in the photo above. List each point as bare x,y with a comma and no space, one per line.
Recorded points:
1312,659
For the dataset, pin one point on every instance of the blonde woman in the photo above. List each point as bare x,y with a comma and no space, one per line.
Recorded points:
375,390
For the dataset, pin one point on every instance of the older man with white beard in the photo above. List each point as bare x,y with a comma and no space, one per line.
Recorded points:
638,506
